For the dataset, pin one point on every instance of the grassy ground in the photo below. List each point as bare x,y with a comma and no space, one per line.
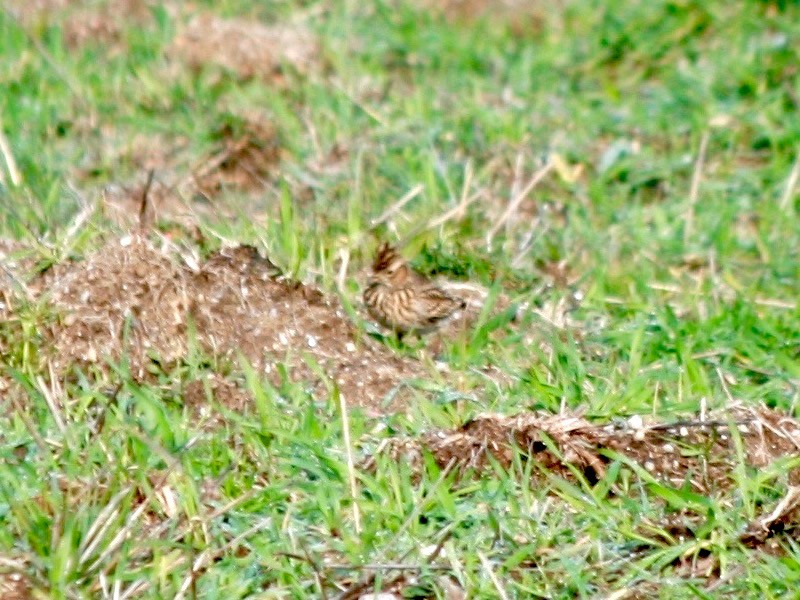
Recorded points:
673,129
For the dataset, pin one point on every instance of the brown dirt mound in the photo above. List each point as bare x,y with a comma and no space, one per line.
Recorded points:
133,299
247,48
14,586
701,453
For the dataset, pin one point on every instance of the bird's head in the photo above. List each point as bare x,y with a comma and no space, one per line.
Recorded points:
389,267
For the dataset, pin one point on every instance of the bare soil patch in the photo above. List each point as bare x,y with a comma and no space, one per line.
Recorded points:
135,300
14,586
700,453
246,48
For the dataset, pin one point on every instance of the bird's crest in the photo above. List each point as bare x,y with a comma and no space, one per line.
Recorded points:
386,257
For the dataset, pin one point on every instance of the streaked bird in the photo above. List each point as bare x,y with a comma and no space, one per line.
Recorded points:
403,300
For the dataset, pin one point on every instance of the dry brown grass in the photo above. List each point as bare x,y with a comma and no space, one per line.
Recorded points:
246,48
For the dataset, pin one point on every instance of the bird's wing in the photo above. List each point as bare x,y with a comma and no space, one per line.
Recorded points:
434,304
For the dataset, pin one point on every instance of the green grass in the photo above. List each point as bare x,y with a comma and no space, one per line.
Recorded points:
262,498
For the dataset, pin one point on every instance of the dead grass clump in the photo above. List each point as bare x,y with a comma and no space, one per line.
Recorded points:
700,453
247,48
247,156
105,24
134,301
154,510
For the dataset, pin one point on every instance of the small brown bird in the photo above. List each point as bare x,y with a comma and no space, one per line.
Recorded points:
403,300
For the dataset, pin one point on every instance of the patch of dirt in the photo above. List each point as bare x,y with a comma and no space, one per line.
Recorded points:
105,24
700,453
14,586
247,48
135,299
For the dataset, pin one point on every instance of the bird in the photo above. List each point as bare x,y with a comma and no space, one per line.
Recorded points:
403,300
